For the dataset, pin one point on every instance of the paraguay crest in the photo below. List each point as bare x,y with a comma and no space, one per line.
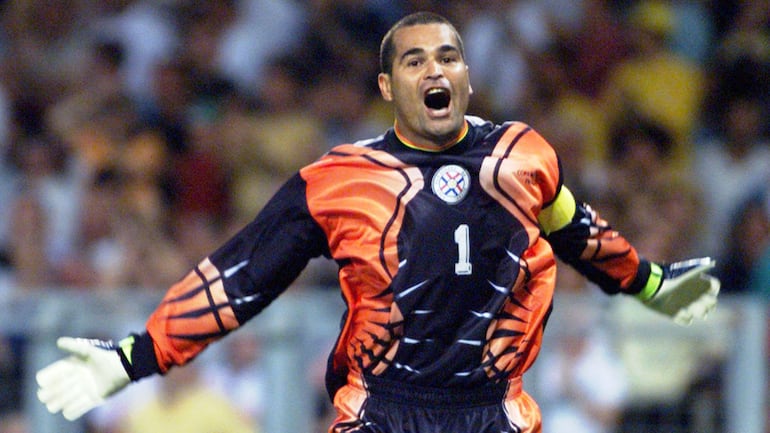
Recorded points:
451,183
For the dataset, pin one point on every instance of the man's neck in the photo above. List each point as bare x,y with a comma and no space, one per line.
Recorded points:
434,147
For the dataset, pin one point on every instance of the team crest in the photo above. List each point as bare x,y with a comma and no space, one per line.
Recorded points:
451,183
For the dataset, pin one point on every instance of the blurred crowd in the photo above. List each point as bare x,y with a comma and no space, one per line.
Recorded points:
137,135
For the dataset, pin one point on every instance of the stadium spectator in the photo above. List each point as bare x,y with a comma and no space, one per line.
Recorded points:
731,164
147,31
45,213
239,375
257,137
655,82
582,379
184,403
744,243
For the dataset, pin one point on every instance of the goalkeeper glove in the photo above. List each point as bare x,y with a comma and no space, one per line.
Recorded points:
682,290
82,381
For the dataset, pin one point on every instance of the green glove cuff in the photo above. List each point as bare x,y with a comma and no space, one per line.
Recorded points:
124,349
653,283
137,353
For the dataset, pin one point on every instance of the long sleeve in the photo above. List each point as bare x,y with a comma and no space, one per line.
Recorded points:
582,239
231,285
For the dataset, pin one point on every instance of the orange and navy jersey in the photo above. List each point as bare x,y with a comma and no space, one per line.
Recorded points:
445,265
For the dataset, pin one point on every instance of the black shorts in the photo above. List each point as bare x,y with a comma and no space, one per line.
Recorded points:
394,408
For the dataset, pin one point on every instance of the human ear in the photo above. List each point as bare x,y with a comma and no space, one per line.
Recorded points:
383,80
467,72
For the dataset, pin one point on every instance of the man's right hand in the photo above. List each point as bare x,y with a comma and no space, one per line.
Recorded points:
82,381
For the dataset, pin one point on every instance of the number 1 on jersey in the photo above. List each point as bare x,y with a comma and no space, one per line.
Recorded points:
463,241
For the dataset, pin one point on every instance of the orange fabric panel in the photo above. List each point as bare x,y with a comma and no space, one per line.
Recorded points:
515,338
526,177
522,191
611,253
363,229
524,413
194,312
348,403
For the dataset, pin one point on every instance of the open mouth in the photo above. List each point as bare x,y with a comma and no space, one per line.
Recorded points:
437,98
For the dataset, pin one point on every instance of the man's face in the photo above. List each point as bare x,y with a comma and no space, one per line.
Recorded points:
429,86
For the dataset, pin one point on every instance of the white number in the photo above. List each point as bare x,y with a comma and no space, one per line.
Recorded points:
462,239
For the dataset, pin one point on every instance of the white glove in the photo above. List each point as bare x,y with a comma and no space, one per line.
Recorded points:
685,292
80,382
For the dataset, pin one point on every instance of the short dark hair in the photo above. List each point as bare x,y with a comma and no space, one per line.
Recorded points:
387,47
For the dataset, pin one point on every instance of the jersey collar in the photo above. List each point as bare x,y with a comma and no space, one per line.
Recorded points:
460,136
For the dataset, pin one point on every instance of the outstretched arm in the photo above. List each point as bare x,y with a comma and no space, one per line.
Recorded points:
581,238
225,290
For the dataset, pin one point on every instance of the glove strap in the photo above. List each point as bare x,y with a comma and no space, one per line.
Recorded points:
653,283
137,355
124,352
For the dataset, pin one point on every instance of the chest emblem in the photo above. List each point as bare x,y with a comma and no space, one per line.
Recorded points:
451,183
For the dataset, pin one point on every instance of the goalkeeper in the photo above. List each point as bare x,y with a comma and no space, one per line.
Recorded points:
445,229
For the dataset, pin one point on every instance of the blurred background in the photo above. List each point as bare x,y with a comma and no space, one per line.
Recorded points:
135,136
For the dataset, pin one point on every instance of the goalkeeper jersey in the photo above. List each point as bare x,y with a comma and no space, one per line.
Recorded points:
446,259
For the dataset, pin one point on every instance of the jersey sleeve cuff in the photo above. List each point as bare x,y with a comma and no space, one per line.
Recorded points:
137,353
652,283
